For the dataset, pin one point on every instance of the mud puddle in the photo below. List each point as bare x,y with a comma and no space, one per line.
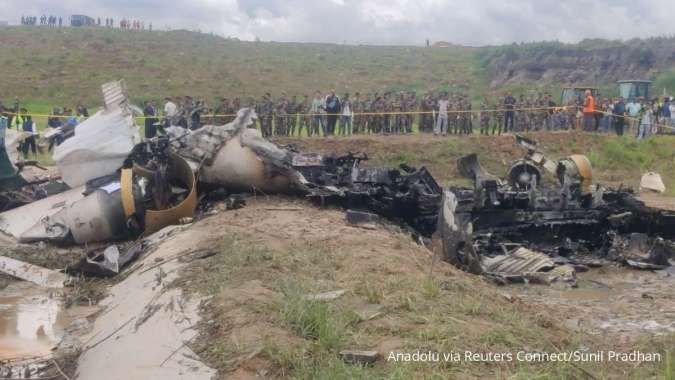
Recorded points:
32,320
612,299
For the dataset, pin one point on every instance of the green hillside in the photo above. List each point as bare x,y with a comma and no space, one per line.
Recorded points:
61,66
67,65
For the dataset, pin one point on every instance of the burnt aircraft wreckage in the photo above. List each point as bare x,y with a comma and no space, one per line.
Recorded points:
509,229
527,226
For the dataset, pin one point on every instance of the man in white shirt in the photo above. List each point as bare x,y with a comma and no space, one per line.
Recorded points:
346,117
442,120
633,109
170,112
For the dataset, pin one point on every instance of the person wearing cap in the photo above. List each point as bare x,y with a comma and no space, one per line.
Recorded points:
29,142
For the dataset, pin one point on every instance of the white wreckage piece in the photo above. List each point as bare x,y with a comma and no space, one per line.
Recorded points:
102,142
237,157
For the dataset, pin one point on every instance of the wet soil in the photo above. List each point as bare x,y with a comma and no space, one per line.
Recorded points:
622,302
32,320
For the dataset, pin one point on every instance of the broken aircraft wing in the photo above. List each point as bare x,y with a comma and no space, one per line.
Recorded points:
102,142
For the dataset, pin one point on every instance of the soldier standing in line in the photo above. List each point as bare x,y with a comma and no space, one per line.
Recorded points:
469,115
518,125
461,115
305,109
484,116
397,108
281,116
292,115
357,108
378,116
452,115
498,115
366,109
422,118
266,115
387,110
220,112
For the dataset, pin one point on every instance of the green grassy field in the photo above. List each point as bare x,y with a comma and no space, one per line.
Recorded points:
60,67
68,65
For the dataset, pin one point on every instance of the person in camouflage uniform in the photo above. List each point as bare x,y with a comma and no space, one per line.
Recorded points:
540,121
453,115
305,108
411,107
520,119
388,109
498,115
397,107
357,109
378,117
265,113
461,115
426,107
469,115
281,116
484,116
292,109
220,112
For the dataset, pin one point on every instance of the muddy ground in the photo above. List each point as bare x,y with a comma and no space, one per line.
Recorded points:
233,292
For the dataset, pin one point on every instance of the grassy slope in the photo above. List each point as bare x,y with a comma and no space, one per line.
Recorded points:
67,65
258,320
62,66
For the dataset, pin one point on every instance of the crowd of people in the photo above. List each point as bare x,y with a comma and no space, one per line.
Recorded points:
396,112
327,114
109,22
44,20
60,125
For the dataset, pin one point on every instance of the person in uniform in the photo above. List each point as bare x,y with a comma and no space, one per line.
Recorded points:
484,116
292,115
305,109
281,117
266,115
398,116
219,114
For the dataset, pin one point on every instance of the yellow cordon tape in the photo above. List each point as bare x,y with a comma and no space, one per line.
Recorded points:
566,108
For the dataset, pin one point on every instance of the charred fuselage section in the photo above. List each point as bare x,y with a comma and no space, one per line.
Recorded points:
406,195
564,217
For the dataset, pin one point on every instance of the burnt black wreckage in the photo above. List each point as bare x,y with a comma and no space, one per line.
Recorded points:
544,216
538,224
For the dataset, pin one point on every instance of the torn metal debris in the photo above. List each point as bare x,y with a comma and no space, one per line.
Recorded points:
32,273
565,219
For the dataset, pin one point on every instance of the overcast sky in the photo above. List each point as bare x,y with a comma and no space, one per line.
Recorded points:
388,22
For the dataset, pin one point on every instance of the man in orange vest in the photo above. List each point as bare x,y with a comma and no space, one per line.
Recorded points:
589,112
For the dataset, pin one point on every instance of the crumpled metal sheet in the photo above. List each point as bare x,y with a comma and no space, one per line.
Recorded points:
101,143
521,261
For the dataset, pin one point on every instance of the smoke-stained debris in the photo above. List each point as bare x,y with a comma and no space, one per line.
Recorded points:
568,219
540,211
405,195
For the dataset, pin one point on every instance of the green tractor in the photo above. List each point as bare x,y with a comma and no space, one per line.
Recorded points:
633,89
